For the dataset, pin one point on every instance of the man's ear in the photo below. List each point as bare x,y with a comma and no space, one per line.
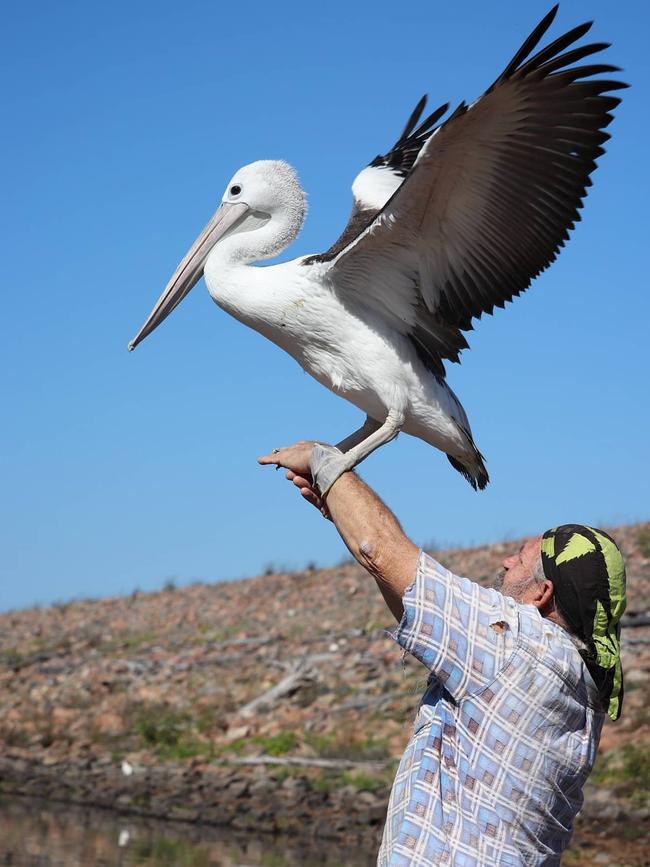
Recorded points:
543,597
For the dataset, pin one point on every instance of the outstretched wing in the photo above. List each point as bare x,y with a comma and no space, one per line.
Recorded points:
376,183
489,201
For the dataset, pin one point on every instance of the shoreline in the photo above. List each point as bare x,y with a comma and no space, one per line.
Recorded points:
202,801
60,833
223,796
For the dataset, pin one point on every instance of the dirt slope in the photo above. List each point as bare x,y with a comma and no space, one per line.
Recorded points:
276,702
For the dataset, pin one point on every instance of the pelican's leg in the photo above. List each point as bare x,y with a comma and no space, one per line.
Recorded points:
368,427
335,465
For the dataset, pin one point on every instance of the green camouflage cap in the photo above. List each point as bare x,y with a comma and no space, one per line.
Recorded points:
588,575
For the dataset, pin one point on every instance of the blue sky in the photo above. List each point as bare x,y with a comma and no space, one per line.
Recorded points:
123,123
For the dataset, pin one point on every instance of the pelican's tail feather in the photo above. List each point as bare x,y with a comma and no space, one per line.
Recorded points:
476,474
471,466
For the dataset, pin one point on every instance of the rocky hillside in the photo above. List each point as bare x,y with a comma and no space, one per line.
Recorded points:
275,702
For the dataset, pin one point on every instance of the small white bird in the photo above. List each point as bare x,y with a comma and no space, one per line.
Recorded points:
453,220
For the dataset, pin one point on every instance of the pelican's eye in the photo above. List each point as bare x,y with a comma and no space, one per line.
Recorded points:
235,190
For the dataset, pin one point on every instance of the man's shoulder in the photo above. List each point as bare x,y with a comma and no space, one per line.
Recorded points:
552,646
468,590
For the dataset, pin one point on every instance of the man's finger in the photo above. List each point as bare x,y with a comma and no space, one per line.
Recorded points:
280,457
310,496
295,458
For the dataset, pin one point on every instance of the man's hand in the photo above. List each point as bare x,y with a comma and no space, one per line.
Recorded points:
295,459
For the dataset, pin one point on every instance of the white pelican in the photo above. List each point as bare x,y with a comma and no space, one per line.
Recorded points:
455,219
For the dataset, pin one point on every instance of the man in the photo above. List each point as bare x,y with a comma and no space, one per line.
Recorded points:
508,728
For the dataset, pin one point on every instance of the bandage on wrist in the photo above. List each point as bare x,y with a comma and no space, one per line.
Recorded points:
325,466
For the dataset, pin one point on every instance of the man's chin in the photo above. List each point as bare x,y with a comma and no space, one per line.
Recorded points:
497,584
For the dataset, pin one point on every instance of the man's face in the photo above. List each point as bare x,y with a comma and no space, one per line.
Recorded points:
516,570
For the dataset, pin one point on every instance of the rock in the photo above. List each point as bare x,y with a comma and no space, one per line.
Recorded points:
236,733
62,717
295,785
636,676
262,787
367,798
109,723
238,787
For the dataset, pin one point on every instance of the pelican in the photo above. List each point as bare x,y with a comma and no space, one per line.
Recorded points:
456,218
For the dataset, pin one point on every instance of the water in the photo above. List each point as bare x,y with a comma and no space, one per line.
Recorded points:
45,834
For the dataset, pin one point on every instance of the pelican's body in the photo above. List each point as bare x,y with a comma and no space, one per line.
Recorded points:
357,357
455,219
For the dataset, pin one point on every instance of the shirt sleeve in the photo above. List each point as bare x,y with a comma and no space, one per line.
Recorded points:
462,632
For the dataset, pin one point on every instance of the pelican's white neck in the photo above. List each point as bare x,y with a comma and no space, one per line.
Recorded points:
259,236
252,295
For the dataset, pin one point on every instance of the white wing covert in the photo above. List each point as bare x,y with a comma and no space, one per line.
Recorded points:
378,181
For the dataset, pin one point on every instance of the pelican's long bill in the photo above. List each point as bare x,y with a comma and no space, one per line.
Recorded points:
191,268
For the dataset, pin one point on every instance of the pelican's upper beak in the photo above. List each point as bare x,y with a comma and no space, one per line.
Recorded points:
191,268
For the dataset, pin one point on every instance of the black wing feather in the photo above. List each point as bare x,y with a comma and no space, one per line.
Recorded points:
403,154
528,45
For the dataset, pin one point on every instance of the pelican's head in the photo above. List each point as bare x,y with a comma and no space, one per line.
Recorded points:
269,189
264,197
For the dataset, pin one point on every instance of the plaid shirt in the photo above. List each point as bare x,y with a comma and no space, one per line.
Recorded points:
505,736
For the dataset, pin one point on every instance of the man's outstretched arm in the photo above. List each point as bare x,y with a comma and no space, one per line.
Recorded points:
371,532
